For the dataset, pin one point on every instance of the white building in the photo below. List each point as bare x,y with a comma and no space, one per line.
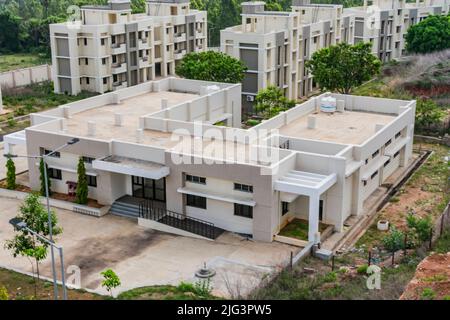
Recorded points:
111,48
176,145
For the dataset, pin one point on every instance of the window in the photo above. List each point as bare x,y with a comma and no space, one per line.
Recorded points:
88,160
86,61
398,135
364,183
103,61
375,153
54,155
388,143
54,174
374,174
85,41
87,80
105,80
396,154
284,208
102,41
243,187
195,179
387,163
243,211
91,181
195,201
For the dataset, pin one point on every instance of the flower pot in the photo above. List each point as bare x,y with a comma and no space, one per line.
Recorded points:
383,225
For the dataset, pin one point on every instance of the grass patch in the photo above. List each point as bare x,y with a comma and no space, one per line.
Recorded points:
185,291
443,243
10,62
21,287
298,229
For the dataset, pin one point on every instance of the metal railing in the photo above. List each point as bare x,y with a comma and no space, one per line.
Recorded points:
193,225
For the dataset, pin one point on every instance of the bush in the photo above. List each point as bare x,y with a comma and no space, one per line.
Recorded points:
394,240
330,277
186,287
428,294
362,269
4,293
203,288
10,174
420,226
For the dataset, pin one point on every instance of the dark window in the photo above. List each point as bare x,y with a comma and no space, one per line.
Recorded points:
102,41
367,161
86,61
54,174
398,135
91,181
284,208
375,153
388,143
374,174
243,211
387,163
87,80
364,183
285,145
85,41
103,61
243,187
88,159
105,80
396,154
195,179
195,201
54,155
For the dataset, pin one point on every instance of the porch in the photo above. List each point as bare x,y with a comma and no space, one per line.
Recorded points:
295,232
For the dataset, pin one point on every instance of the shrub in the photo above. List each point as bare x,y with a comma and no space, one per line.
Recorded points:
394,240
362,269
420,226
4,293
110,280
330,277
10,174
203,287
186,287
428,294
82,185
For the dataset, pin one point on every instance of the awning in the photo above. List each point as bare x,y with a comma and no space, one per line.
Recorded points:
132,167
305,183
219,197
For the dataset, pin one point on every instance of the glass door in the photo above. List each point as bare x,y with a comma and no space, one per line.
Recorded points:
149,189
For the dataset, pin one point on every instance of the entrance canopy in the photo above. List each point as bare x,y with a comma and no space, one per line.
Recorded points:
132,167
305,183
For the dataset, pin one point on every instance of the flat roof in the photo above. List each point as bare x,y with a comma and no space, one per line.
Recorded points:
131,109
349,127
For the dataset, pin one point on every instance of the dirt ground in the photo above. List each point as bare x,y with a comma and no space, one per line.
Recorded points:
432,275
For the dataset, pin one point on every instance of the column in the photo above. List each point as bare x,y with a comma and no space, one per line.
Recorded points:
1,100
313,232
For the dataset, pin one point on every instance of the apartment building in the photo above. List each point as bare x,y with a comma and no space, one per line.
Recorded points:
172,153
111,48
275,45
384,23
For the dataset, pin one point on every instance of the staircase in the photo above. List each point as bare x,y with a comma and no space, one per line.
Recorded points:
125,207
179,221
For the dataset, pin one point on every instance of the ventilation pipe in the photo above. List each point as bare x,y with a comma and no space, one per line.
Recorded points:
91,128
312,122
118,119
139,135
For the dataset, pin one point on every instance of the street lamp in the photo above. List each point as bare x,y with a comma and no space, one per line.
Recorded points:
21,225
47,196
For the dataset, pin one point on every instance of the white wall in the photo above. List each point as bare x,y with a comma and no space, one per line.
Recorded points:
24,77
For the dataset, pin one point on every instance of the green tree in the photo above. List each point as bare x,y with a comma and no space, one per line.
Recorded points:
110,280
43,166
10,26
427,114
394,240
420,226
431,34
211,66
10,174
271,101
82,185
343,67
4,293
25,244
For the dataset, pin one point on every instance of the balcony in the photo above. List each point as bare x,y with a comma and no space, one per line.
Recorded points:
179,37
117,68
144,62
118,48
143,44
120,85
177,55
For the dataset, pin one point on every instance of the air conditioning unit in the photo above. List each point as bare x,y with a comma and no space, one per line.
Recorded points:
250,98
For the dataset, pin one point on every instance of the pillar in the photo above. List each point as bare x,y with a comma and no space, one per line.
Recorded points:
1,100
313,232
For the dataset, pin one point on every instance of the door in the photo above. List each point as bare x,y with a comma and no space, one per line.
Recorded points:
149,189
320,210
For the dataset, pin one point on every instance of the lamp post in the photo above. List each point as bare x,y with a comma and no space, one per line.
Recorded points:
20,225
47,196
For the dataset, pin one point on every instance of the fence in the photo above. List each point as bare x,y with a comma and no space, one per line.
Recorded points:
26,76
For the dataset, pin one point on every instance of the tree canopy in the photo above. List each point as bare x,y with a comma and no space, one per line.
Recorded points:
343,67
211,66
431,34
271,101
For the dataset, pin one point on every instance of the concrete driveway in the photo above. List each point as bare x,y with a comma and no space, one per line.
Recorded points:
145,257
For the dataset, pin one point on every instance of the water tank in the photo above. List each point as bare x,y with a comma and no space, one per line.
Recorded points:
328,104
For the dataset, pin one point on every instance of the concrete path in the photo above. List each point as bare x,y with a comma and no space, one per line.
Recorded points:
144,257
